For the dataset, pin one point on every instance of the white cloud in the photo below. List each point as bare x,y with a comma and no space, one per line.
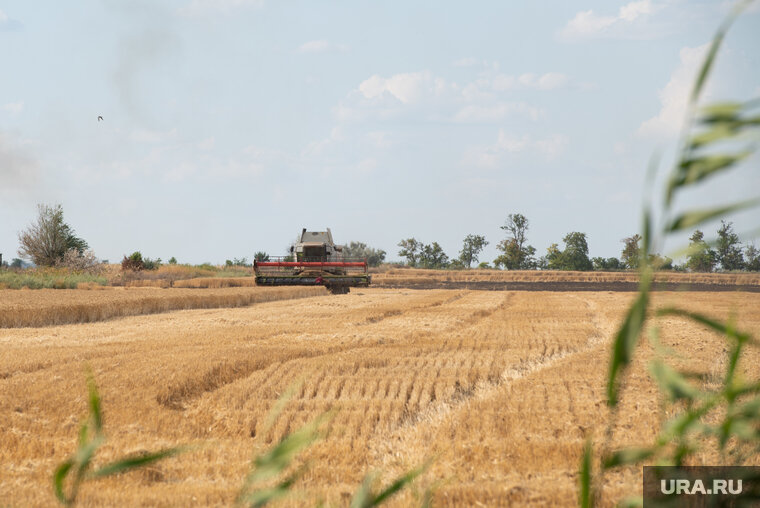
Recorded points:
495,113
14,107
465,62
379,139
207,144
317,148
320,46
588,24
8,23
492,155
674,97
366,166
505,82
548,81
153,137
438,99
198,8
19,171
408,88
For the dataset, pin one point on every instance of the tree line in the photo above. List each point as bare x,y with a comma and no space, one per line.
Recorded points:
50,241
516,253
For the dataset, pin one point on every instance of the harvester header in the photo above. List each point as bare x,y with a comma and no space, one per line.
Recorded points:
315,260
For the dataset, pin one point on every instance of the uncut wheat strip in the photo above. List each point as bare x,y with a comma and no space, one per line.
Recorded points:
56,313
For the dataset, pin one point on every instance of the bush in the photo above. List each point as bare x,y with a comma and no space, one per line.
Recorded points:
84,262
48,278
47,240
135,262
151,264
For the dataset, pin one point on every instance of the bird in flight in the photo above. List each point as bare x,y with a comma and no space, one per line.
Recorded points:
100,118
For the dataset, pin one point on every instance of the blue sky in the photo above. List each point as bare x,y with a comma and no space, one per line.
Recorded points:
231,124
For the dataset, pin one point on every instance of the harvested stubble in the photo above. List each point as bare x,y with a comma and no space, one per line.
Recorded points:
501,388
56,307
419,276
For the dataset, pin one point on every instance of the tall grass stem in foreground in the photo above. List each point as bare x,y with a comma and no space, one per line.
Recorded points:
713,143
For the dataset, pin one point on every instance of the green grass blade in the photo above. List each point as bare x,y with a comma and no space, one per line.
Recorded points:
265,496
586,494
719,132
694,218
278,458
84,454
59,477
135,461
627,456
94,399
399,484
625,341
279,406
672,383
721,112
365,498
717,326
706,67
631,502
696,169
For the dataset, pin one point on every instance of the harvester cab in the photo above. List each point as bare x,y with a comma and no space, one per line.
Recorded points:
315,260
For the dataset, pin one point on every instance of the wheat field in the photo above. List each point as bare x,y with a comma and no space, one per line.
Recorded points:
45,307
499,389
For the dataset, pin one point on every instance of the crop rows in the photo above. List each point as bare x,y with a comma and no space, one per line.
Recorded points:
57,307
501,389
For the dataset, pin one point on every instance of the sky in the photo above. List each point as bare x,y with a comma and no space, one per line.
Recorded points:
229,125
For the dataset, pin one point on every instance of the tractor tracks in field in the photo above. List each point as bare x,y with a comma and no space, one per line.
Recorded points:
490,386
393,311
179,394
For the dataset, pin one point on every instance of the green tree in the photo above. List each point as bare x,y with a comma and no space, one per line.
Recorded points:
574,257
172,260
631,254
517,255
701,257
47,240
659,262
600,263
261,256
552,260
471,248
360,250
410,249
752,258
432,256
729,250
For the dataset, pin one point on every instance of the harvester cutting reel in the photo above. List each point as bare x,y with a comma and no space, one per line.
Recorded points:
338,276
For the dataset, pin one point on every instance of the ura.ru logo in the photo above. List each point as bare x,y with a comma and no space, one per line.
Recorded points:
682,486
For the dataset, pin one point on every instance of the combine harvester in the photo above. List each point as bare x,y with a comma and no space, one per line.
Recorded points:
314,261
